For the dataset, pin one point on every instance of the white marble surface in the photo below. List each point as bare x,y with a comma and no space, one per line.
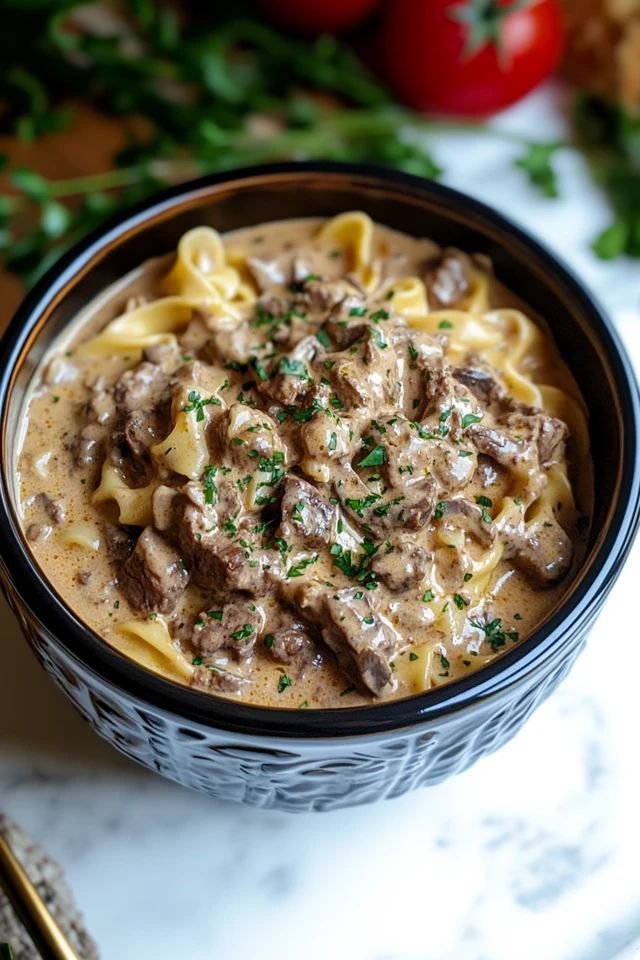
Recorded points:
531,855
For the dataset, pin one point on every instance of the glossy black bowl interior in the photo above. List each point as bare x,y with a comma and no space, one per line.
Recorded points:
419,207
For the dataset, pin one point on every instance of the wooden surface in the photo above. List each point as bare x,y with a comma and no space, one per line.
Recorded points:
86,147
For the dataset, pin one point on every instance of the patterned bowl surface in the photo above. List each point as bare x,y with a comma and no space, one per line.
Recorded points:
321,759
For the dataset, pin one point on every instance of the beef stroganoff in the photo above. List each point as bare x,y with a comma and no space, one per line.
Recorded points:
309,464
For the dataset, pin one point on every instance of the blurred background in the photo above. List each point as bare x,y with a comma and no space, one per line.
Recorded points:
533,107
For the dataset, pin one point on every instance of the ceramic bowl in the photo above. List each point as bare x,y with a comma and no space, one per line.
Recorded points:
321,759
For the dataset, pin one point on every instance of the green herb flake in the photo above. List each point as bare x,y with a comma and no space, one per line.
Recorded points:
375,458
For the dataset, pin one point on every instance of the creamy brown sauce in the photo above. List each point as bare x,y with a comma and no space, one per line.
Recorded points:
370,509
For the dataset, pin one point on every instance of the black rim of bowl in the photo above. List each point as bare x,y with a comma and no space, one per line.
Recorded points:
574,614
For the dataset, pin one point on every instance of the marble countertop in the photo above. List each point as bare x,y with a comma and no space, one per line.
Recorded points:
531,855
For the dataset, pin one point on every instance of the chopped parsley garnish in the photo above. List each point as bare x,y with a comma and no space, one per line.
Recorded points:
380,315
197,403
413,353
438,513
495,634
269,640
368,620
333,442
486,516
243,633
297,512
467,577
358,506
292,368
298,569
459,601
357,311
517,616
465,453
347,690
375,458
413,656
517,500
484,501
468,419
376,335
209,487
215,614
196,661
323,337
445,325
356,568
428,596
383,509
284,682
304,705
305,414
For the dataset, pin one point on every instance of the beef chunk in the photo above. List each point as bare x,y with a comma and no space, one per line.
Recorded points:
506,450
119,543
290,644
543,554
401,568
467,516
52,508
153,578
448,278
265,273
305,513
221,680
482,385
88,446
323,295
363,642
142,388
291,382
163,355
234,630
535,427
38,532
163,507
143,428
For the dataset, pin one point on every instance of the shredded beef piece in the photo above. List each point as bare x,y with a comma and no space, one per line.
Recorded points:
52,508
141,388
467,516
363,642
534,427
163,507
163,355
266,273
291,382
483,385
220,680
153,578
401,568
235,633
544,555
142,429
37,532
88,446
325,294
305,513
447,278
119,543
291,644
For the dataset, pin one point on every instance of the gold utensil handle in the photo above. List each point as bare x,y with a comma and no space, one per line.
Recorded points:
47,936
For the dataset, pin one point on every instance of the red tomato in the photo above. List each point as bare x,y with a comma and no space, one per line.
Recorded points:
318,16
469,57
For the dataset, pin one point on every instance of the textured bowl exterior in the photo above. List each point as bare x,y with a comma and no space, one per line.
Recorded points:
322,759
294,775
